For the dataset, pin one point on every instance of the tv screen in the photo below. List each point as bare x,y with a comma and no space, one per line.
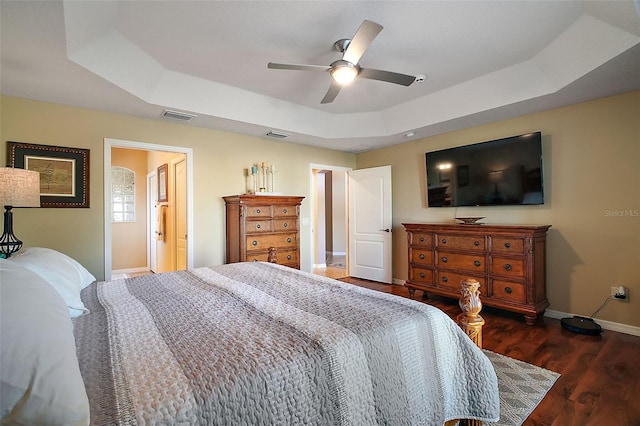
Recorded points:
499,172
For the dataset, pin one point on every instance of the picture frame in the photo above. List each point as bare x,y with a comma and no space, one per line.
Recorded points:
163,196
64,172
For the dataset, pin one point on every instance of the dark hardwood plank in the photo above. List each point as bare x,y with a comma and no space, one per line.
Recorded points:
600,375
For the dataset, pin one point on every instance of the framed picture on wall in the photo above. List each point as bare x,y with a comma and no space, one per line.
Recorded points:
64,172
162,183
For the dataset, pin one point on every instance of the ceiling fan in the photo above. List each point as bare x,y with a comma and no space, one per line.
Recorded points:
345,70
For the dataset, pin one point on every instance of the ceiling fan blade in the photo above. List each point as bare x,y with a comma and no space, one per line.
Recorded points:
388,76
295,67
361,40
333,91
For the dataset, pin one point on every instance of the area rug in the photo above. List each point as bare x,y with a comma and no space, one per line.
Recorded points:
522,386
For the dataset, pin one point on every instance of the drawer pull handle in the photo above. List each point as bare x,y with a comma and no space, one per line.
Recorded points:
476,243
254,243
444,241
258,226
258,211
289,239
422,239
508,290
254,260
445,279
284,210
422,275
477,263
288,257
507,245
507,267
421,256
285,225
444,259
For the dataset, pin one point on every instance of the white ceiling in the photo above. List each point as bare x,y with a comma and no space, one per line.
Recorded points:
483,61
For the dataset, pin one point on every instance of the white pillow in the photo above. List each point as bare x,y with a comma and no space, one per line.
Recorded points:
65,274
40,381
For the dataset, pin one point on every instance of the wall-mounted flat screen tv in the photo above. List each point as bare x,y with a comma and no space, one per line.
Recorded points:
504,171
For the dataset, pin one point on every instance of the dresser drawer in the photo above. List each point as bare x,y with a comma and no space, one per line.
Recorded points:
422,240
285,211
507,267
286,257
509,291
460,242
284,224
258,211
420,275
283,257
507,245
452,280
262,256
263,242
469,262
258,226
421,256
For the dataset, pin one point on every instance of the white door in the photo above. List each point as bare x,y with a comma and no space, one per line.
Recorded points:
370,224
180,174
152,194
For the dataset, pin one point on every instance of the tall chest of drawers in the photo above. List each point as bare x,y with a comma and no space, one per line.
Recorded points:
508,261
263,228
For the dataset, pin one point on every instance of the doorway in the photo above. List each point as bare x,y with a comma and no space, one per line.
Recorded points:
329,250
188,177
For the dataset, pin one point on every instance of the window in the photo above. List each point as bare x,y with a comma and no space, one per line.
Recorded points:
123,195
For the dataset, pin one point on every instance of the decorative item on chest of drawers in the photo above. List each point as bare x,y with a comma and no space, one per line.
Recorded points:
263,228
507,260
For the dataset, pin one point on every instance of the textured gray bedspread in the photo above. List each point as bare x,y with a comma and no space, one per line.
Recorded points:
261,344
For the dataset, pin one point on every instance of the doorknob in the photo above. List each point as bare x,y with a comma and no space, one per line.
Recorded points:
386,230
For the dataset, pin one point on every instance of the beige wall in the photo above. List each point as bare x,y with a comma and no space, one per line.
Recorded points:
129,239
591,153
592,199
219,162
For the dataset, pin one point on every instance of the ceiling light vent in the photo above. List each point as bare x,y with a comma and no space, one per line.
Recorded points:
279,135
177,115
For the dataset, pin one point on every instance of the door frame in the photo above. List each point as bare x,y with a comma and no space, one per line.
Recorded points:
110,143
173,164
151,206
313,210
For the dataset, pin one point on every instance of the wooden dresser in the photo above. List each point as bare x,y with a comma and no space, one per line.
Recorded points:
508,261
263,228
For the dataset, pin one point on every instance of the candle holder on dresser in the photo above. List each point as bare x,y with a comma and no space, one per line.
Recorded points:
265,168
272,172
254,174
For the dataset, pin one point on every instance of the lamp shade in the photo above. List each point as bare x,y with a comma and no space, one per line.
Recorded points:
19,187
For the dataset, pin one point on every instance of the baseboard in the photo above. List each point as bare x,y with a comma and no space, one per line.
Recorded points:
606,325
130,270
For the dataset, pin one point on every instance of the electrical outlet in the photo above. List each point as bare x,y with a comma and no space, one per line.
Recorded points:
620,292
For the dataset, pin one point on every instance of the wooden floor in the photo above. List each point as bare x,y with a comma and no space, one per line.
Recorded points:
600,375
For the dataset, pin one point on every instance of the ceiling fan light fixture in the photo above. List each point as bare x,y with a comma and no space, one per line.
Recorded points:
344,72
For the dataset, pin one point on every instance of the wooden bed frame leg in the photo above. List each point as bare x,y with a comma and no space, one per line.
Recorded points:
471,322
272,257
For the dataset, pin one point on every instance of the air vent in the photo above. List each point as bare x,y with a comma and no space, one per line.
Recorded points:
279,135
176,115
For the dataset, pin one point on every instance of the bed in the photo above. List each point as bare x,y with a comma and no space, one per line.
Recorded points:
243,344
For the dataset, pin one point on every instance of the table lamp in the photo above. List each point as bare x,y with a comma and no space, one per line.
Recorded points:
18,188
